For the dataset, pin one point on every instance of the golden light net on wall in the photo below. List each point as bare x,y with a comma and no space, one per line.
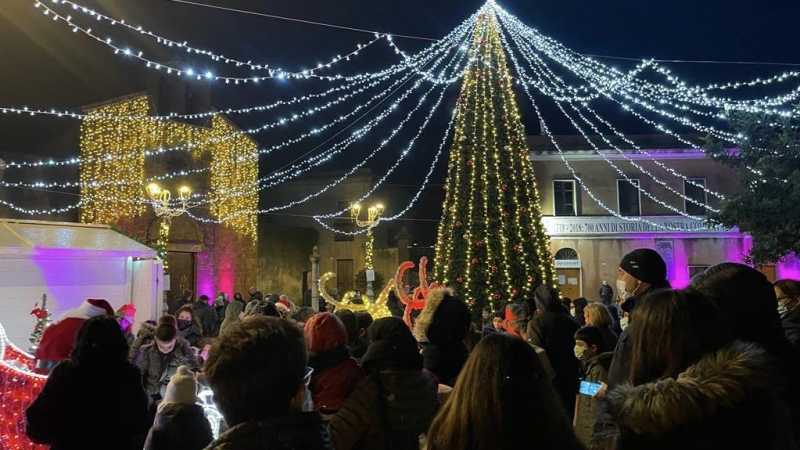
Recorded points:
113,166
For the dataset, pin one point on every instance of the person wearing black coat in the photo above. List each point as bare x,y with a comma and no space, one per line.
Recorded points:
440,329
395,403
206,315
553,329
94,399
640,272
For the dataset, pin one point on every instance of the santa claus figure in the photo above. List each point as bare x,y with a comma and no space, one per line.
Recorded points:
59,338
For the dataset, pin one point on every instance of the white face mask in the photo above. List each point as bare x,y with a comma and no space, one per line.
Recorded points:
623,323
622,291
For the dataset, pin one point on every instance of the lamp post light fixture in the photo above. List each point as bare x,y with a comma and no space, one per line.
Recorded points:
373,216
166,210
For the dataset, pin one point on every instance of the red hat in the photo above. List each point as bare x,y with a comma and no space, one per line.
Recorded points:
324,332
127,310
102,305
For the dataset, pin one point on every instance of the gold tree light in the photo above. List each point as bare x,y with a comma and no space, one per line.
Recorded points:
491,244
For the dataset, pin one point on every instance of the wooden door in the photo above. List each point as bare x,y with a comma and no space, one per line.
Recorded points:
344,276
569,282
181,273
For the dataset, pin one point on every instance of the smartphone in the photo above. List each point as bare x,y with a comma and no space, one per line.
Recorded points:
589,388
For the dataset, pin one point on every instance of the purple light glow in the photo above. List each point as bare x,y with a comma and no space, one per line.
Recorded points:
789,268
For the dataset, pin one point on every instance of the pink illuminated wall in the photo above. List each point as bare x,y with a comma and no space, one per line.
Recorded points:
223,265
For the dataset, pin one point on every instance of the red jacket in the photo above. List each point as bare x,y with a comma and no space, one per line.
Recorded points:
331,387
335,372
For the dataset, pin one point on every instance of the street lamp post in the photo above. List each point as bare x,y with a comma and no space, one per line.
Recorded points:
166,210
373,215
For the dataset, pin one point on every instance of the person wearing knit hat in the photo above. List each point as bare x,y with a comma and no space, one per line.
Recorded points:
640,272
180,423
335,372
59,338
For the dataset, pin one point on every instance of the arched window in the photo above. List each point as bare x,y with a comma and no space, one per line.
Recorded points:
566,254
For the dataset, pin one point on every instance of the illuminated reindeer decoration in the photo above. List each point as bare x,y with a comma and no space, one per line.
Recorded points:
419,296
379,309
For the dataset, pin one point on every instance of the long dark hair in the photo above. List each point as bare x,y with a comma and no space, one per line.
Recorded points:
100,341
502,400
747,302
671,330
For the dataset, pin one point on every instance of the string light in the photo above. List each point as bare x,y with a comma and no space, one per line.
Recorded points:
190,73
166,42
297,169
283,121
569,167
380,146
535,62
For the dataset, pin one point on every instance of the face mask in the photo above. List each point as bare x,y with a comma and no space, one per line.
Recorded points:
572,311
623,323
622,290
580,351
184,324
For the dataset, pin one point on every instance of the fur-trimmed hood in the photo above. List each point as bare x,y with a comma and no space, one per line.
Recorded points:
444,319
725,379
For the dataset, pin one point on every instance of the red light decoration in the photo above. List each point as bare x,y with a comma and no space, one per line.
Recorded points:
19,387
419,297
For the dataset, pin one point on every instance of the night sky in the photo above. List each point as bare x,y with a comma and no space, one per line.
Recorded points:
46,65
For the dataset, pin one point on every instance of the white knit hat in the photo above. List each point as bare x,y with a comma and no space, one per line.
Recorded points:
182,387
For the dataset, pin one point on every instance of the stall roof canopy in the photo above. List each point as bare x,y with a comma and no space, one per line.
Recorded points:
21,237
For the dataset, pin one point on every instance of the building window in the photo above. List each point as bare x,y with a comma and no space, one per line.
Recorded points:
695,191
564,198
696,270
628,197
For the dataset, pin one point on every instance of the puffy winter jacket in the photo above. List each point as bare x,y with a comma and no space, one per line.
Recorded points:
157,368
726,400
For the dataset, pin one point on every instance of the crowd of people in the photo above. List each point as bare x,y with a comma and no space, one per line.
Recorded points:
711,366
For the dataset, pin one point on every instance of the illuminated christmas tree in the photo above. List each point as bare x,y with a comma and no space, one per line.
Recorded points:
491,245
43,320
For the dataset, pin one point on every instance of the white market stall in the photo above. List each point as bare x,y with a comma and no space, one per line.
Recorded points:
70,262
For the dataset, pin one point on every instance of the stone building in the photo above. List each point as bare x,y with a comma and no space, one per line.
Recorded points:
588,241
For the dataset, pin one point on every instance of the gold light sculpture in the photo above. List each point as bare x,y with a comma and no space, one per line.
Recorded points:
377,309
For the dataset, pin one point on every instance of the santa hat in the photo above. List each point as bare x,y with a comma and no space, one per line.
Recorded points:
92,307
100,306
